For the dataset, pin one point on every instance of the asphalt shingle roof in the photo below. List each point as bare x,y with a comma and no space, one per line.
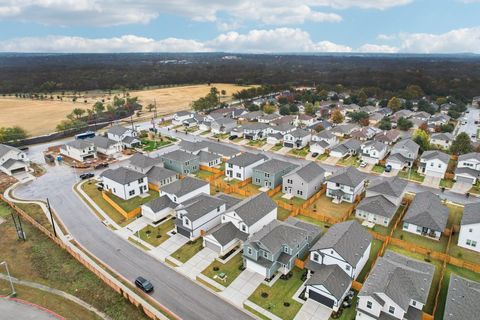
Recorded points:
117,130
378,205
463,299
159,174
246,159
427,210
252,209
200,205
226,232
4,149
308,172
348,176
273,166
184,186
468,156
102,142
122,175
142,161
179,155
435,154
80,144
471,214
393,186
160,203
332,277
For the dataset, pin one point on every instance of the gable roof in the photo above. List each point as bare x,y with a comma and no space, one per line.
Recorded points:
122,175
80,144
184,186
332,277
246,159
142,161
468,156
462,300
117,130
229,200
325,134
224,233
252,209
189,146
471,214
348,176
378,205
4,149
308,172
427,210
445,136
12,162
407,145
273,166
206,156
160,203
387,136
159,174
349,239
179,155
200,205
102,142
376,145
299,133
393,186
435,154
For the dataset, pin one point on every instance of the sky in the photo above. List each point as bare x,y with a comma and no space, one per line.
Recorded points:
240,26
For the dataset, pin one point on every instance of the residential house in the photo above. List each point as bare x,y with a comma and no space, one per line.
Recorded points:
349,147
223,125
426,216
468,168
252,116
159,177
442,139
288,119
282,129
323,141
158,209
388,137
105,146
124,183
297,139
13,160
373,152
433,163
254,130
142,163
375,118
346,185
438,120
421,116
276,246
403,154
305,181
404,113
343,130
335,260
469,235
181,116
240,221
181,162
387,112
184,189
304,120
80,150
369,109
462,299
127,136
365,133
269,174
209,159
382,200
397,288
241,167
267,118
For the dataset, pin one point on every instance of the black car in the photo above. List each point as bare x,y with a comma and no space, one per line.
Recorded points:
101,165
232,137
86,176
315,154
144,284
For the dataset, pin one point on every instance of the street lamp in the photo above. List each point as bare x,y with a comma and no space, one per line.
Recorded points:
14,293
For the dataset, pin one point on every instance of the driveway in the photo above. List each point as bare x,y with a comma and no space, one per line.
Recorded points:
392,173
331,160
242,287
312,310
461,187
168,247
198,263
431,181
266,147
367,168
284,150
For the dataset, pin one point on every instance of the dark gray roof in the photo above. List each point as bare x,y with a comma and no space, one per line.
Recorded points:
471,155
378,205
142,161
344,128
435,154
117,130
122,175
80,144
179,155
252,209
322,143
407,145
160,203
349,239
332,277
255,126
226,232
463,299
273,166
183,113
299,133
246,159
471,213
442,136
400,278
348,176
467,171
102,142
229,200
4,149
325,134
184,186
11,162
377,145
156,174
222,150
352,144
393,186
427,210
129,139
192,146
207,156
397,157
200,205
308,172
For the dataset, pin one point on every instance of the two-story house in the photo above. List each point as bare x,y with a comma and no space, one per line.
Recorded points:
275,247
426,216
270,173
127,136
80,150
468,168
388,137
241,167
365,133
443,139
159,176
323,141
403,154
349,147
335,260
12,160
254,130
397,288
433,163
106,146
346,185
382,200
184,189
343,130
223,125
373,152
181,162
305,181
462,299
124,183
181,116
142,163
469,235
297,139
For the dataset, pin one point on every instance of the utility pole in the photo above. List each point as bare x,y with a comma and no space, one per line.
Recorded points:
14,293
51,218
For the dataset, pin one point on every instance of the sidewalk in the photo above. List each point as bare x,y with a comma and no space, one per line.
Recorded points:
198,263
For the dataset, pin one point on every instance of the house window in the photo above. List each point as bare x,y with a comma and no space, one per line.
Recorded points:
414,303
265,254
249,251
187,222
419,229
474,243
369,304
470,230
469,242
405,225
230,165
391,309
239,175
347,268
131,192
244,228
218,209
140,180
316,257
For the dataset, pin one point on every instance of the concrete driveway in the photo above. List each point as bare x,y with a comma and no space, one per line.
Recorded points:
392,173
170,245
461,187
431,181
367,168
331,160
284,150
266,147
242,287
198,263
312,310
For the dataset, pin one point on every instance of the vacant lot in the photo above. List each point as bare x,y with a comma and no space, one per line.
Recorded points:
41,117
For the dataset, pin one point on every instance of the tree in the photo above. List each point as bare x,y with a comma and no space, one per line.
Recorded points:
293,108
284,110
223,92
358,116
337,116
424,105
446,128
210,101
462,144
319,128
413,92
424,127
269,108
323,94
12,134
310,109
422,138
253,107
361,98
395,104
364,122
404,124
150,107
78,112
441,100
385,124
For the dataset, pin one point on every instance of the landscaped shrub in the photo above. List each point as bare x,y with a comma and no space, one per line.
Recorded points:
286,304
264,294
215,268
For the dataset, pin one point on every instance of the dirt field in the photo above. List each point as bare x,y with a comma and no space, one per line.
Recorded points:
41,117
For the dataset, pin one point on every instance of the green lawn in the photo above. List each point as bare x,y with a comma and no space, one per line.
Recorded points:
386,230
294,201
231,269
322,157
131,204
318,223
157,235
203,133
475,189
376,246
282,214
455,217
281,292
203,174
276,147
378,168
4,209
188,250
151,145
462,253
221,136
300,152
411,174
430,244
257,143
349,162
446,183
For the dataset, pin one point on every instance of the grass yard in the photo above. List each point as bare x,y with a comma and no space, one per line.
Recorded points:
349,313
276,147
129,205
322,157
36,213
475,189
378,169
188,250
251,187
325,206
427,243
40,260
157,235
231,269
446,183
300,152
204,133
257,143
4,210
324,226
151,145
279,294
221,136
294,201
436,277
462,253
411,174
349,162
282,214
376,246
203,174
455,217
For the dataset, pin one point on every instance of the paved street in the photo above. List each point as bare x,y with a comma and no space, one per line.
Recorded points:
15,310
470,127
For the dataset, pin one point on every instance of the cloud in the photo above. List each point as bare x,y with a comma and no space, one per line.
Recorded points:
376,48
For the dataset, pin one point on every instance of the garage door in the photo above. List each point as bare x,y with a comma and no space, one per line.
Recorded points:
288,145
432,173
18,170
215,247
468,180
314,295
183,232
252,266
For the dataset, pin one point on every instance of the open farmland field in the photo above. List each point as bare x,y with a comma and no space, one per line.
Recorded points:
41,117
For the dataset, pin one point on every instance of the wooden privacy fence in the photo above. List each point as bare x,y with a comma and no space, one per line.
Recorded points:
87,264
120,210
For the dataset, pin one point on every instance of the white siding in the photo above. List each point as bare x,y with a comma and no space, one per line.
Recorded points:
470,233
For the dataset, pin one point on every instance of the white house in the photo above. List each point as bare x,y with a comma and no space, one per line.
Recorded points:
373,151
347,148
345,185
403,154
335,260
184,189
12,160
106,146
468,168
241,167
443,140
297,139
223,125
158,209
433,163
124,183
469,236
323,141
181,116
119,134
80,150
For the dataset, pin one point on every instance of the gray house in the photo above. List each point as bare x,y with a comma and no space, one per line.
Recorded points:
403,154
160,176
181,162
276,246
305,181
142,163
269,174
462,299
223,125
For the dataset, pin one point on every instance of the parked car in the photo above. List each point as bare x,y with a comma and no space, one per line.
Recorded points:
363,164
315,154
388,168
85,176
101,165
232,137
143,284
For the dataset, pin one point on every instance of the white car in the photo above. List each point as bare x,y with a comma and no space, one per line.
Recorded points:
363,164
